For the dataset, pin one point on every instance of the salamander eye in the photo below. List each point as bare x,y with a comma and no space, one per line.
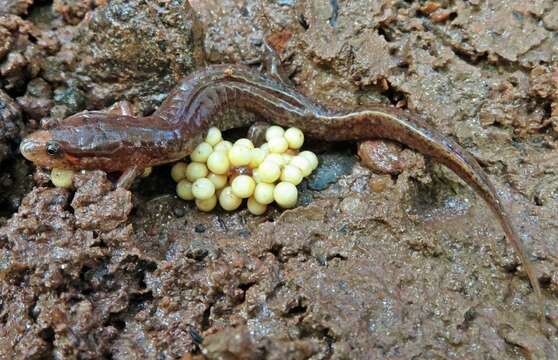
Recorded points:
53,148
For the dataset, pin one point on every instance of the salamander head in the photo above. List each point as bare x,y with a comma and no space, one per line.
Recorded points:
89,140
44,150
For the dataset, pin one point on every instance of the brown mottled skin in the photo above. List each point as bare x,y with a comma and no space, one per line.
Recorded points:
112,142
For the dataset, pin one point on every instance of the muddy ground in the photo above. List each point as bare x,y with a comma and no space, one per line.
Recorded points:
370,265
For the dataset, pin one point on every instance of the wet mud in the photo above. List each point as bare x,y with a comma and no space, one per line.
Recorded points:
388,255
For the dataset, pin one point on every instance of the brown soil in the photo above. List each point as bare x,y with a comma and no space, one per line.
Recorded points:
403,262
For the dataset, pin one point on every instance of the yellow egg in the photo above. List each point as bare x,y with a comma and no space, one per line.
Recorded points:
285,194
311,157
207,204
276,158
219,181
274,131
264,193
223,146
184,190
201,152
244,142
218,162
278,145
178,171
147,171
291,174
303,164
243,186
256,176
294,137
203,189
269,172
287,158
61,178
240,155
258,156
228,200
196,170
256,208
213,136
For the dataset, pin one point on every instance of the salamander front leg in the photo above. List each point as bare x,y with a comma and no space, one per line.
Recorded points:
127,178
272,65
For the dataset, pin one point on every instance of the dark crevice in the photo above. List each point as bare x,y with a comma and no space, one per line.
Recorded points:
337,256
302,21
245,287
31,311
276,250
115,321
138,300
205,320
296,311
195,335
4,242
47,334
384,32
471,59
394,96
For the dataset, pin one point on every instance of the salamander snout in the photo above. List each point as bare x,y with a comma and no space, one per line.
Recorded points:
42,150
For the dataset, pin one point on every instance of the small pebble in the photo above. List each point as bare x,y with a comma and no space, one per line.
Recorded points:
199,228
179,212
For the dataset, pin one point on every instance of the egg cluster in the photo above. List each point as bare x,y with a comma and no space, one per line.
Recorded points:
226,173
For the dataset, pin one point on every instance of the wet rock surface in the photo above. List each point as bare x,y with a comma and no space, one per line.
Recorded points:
400,262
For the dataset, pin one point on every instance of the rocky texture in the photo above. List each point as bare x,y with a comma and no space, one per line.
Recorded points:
405,265
137,50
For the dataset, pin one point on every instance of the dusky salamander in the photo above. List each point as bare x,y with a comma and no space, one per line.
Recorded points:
115,142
